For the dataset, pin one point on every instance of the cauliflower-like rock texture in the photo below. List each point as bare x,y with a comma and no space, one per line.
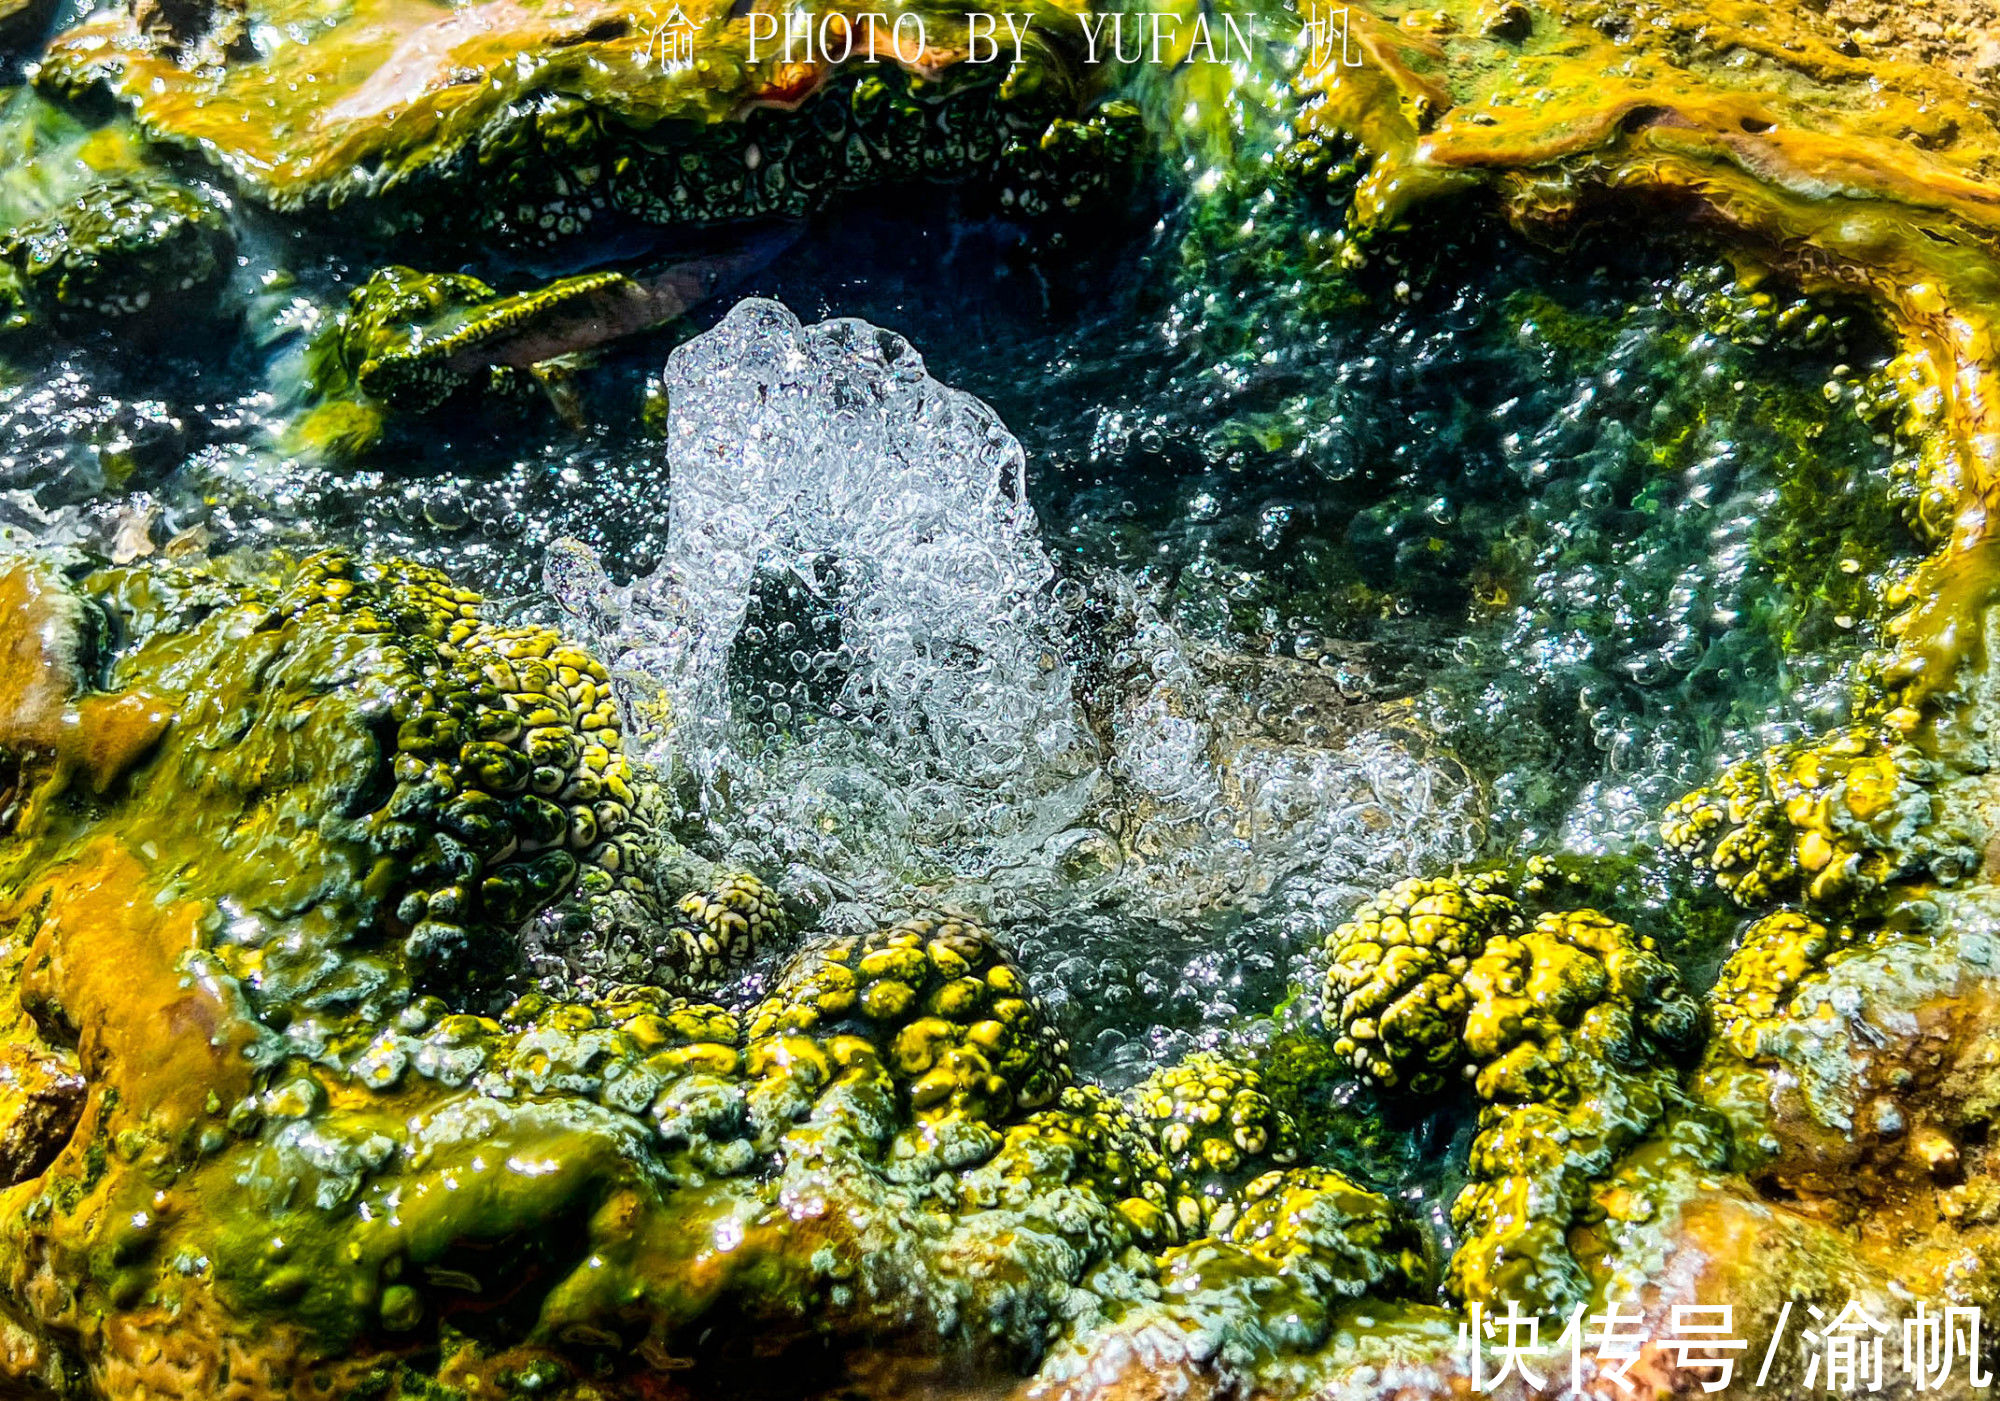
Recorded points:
1217,1130
1574,1031
280,1120
716,932
930,1007
1567,1029
1822,821
1395,992
1775,957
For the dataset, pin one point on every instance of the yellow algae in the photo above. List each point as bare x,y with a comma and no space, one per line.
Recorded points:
317,1145
1566,1027
325,99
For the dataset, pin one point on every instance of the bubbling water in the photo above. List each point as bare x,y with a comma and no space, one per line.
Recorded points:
859,671
913,722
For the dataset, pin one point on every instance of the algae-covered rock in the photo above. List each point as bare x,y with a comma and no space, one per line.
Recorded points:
296,814
535,123
410,342
1847,996
382,344
936,1009
1568,1029
275,1113
1218,1131
1395,986
128,248
1827,820
1858,1069
1574,1029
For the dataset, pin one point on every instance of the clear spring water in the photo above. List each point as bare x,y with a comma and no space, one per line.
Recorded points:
879,686
1264,580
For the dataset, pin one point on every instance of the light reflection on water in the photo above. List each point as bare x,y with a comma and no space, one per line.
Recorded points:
1308,544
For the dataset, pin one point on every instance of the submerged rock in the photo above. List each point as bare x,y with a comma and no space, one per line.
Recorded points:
1844,172
1567,1028
410,342
134,249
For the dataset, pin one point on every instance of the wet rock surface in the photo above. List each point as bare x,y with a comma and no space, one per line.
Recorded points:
366,1168
370,1143
903,929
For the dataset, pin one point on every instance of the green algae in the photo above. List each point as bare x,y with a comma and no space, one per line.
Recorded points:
580,113
1788,154
365,1150
654,1284
114,250
1542,489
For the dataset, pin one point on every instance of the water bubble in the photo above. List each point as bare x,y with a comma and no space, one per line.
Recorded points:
959,746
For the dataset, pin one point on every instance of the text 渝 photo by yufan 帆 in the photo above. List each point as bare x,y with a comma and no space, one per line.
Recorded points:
770,701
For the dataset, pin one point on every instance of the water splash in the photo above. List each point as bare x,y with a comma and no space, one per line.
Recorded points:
851,630
875,683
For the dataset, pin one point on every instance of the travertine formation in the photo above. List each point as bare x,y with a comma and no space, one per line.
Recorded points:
1567,1028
